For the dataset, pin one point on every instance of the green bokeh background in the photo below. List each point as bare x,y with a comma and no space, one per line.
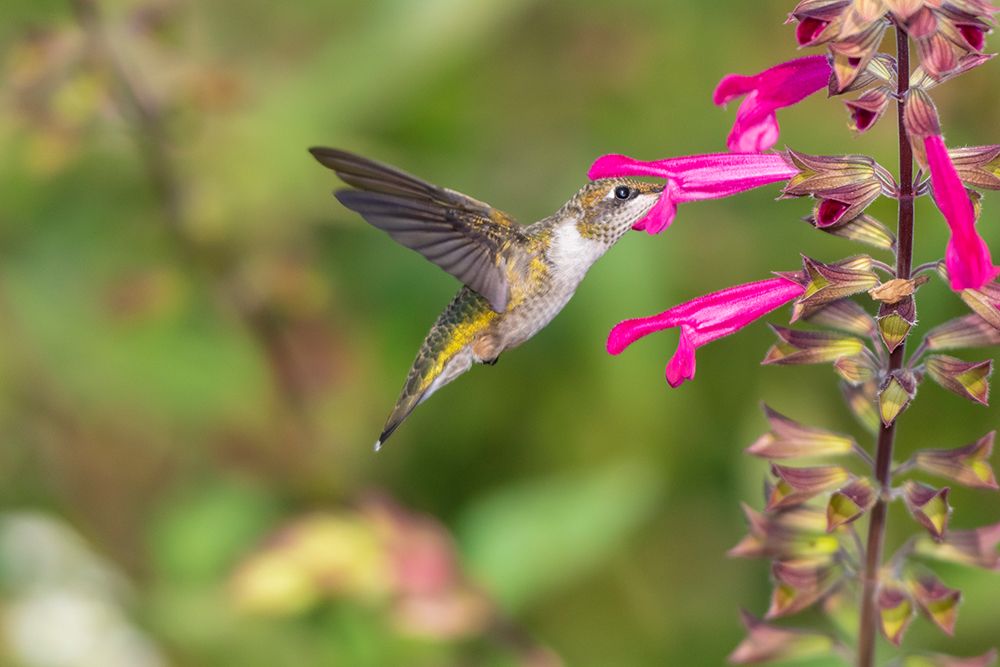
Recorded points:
593,503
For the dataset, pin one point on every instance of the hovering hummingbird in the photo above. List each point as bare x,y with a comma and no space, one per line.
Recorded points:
516,278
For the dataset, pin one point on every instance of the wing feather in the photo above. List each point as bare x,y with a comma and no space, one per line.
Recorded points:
463,236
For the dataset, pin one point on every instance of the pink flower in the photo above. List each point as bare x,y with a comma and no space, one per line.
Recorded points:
705,319
695,178
967,257
756,128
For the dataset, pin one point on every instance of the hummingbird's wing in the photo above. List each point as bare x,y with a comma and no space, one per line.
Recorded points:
463,236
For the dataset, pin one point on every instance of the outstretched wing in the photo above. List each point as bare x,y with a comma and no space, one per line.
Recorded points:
465,237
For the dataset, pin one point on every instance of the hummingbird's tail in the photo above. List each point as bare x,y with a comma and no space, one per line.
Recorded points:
447,352
431,371
404,406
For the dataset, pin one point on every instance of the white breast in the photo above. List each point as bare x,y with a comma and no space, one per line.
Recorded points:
572,255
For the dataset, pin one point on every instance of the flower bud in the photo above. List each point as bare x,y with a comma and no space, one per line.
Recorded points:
896,611
921,79
846,316
938,55
962,332
850,503
881,70
790,439
929,506
937,601
769,643
967,379
966,547
985,302
843,185
863,229
862,400
795,486
968,465
895,321
855,47
810,347
983,9
895,395
793,533
869,108
858,369
818,20
800,583
978,166
829,283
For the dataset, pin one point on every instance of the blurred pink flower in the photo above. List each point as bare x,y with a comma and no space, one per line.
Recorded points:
756,128
967,257
705,319
695,178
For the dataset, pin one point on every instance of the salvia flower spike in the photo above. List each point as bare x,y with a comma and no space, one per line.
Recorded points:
818,503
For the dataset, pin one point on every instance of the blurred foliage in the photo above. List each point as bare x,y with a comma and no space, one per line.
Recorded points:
199,345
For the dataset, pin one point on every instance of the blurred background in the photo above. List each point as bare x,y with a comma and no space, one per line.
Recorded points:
198,345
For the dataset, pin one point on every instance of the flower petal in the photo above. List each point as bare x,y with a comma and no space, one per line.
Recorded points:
661,215
967,258
756,126
705,319
682,365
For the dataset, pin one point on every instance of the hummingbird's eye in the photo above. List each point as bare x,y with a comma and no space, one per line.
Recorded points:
623,192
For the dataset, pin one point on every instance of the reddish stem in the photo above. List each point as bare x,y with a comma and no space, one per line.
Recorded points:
887,434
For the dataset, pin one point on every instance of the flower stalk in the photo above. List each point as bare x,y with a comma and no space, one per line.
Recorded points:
887,433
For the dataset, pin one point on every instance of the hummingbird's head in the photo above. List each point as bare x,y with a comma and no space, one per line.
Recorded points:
610,206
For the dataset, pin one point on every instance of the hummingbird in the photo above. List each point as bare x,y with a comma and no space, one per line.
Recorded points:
516,278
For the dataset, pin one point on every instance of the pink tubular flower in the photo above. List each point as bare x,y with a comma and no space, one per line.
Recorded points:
695,178
705,319
967,257
756,128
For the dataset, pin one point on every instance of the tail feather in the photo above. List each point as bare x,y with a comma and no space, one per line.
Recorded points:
399,413
446,353
421,384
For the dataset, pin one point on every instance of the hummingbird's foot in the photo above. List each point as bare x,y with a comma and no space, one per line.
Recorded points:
493,361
